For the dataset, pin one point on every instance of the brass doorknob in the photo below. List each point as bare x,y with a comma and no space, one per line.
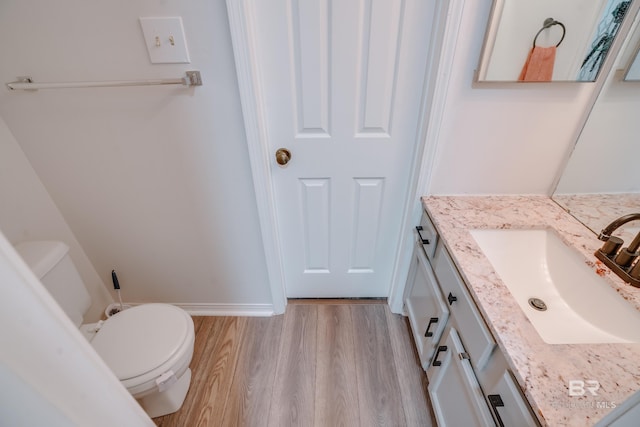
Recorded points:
283,156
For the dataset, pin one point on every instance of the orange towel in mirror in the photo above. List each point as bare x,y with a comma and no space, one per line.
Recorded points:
539,65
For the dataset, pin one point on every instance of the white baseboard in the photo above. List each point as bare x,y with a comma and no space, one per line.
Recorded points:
244,310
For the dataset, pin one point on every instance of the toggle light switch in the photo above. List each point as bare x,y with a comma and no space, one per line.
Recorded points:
165,40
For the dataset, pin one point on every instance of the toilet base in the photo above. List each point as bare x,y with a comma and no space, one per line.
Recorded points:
163,403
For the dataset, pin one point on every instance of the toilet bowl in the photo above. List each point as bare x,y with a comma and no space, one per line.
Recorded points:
148,347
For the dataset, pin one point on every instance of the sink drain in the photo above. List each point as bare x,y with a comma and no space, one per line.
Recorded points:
538,304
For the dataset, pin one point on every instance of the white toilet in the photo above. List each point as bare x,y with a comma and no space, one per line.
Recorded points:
148,347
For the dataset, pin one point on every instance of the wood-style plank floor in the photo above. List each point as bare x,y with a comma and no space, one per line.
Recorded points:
320,364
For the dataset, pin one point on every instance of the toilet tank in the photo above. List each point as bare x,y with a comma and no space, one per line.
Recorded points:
51,263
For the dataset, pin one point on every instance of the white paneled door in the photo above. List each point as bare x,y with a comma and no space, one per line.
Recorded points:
341,85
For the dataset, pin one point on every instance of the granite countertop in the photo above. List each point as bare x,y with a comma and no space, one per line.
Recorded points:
596,211
542,370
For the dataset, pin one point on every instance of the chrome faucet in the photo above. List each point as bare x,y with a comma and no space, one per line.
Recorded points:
621,260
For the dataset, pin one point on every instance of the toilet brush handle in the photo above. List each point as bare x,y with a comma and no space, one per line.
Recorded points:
120,299
116,286
114,278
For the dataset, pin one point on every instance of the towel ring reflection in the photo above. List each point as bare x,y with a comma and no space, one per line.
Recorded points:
550,22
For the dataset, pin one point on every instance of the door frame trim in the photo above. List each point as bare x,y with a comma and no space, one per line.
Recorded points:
242,38
435,89
240,12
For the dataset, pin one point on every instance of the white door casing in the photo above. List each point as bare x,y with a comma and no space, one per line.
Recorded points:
320,85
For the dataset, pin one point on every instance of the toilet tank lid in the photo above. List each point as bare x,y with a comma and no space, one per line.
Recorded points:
42,256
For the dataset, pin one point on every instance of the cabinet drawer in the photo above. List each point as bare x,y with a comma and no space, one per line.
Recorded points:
427,311
427,235
474,332
508,405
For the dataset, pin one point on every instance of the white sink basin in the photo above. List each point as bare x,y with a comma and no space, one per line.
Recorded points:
580,307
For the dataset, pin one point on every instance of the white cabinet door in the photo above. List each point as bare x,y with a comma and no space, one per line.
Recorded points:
474,332
508,405
454,390
428,313
427,235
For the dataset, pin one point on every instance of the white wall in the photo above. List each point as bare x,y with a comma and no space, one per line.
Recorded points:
501,138
605,160
153,181
606,157
28,213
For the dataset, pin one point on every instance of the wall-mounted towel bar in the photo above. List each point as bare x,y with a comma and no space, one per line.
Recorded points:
192,78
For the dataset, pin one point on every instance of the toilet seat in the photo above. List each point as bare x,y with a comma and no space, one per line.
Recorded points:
144,342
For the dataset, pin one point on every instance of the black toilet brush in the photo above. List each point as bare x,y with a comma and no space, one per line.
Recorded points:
116,286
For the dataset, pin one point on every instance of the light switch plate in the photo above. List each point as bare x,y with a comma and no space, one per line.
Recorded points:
165,40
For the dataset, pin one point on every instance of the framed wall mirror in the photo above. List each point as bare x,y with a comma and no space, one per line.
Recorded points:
601,180
549,40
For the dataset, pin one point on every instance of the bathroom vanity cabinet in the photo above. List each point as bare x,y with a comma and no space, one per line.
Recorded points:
469,380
